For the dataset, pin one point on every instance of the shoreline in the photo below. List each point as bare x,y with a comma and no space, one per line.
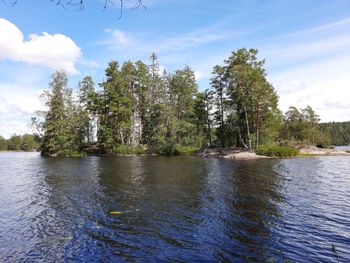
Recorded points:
236,153
245,154
231,153
314,151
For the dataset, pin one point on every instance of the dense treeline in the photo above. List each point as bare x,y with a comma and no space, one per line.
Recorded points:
301,127
139,109
338,132
26,142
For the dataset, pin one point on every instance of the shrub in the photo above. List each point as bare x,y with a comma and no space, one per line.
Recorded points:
127,150
277,151
186,150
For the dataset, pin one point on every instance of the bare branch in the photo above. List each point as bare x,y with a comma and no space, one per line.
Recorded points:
81,4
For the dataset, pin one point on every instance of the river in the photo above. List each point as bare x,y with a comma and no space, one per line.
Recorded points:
184,209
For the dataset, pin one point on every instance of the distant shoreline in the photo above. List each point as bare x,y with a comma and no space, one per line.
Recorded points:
236,153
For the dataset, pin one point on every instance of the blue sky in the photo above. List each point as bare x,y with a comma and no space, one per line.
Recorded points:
306,45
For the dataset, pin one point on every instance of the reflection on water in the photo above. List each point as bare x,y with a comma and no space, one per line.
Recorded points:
179,208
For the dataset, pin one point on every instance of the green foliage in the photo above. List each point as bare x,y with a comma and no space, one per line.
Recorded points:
338,132
301,128
29,142
129,150
63,124
276,151
245,101
139,110
168,148
26,142
2,143
186,150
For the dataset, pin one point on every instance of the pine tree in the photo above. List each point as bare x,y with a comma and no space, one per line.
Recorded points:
250,94
55,139
115,110
218,83
87,100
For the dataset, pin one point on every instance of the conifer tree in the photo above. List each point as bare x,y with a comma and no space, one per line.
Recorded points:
54,127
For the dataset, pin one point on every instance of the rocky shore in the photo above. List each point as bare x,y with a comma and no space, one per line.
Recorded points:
245,154
230,153
312,150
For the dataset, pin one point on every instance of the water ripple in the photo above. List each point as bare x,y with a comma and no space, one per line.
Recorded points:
182,209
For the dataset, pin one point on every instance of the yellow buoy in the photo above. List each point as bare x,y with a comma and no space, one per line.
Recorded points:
115,213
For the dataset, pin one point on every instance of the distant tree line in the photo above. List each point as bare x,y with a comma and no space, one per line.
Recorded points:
139,109
26,142
338,132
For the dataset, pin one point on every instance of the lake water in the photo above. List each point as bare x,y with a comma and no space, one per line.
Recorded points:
343,148
176,209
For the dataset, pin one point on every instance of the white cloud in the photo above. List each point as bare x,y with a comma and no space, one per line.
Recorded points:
310,67
20,99
325,85
10,127
18,103
117,39
55,51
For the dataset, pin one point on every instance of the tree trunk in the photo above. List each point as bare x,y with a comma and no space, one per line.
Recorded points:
121,136
247,124
241,140
257,129
208,125
222,121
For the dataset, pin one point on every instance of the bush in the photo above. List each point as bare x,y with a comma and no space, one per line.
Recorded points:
186,150
177,149
129,150
277,151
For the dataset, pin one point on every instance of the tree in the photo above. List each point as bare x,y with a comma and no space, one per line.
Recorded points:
63,125
311,119
2,143
208,106
29,142
54,129
201,118
183,89
115,110
81,3
301,126
87,98
250,94
218,83
337,132
142,98
14,143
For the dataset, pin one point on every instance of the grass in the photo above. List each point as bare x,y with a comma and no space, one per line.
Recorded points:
347,151
277,151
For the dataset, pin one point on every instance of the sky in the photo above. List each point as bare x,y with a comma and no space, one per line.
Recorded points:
306,46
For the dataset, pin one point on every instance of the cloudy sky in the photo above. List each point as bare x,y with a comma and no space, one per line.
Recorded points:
306,45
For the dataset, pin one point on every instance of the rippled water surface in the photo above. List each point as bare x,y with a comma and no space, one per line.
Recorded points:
175,209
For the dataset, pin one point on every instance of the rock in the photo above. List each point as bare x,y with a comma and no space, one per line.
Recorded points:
230,153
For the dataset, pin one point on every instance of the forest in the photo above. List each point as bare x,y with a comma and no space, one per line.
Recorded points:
338,132
25,142
138,109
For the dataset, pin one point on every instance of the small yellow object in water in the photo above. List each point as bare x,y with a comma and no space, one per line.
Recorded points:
115,213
